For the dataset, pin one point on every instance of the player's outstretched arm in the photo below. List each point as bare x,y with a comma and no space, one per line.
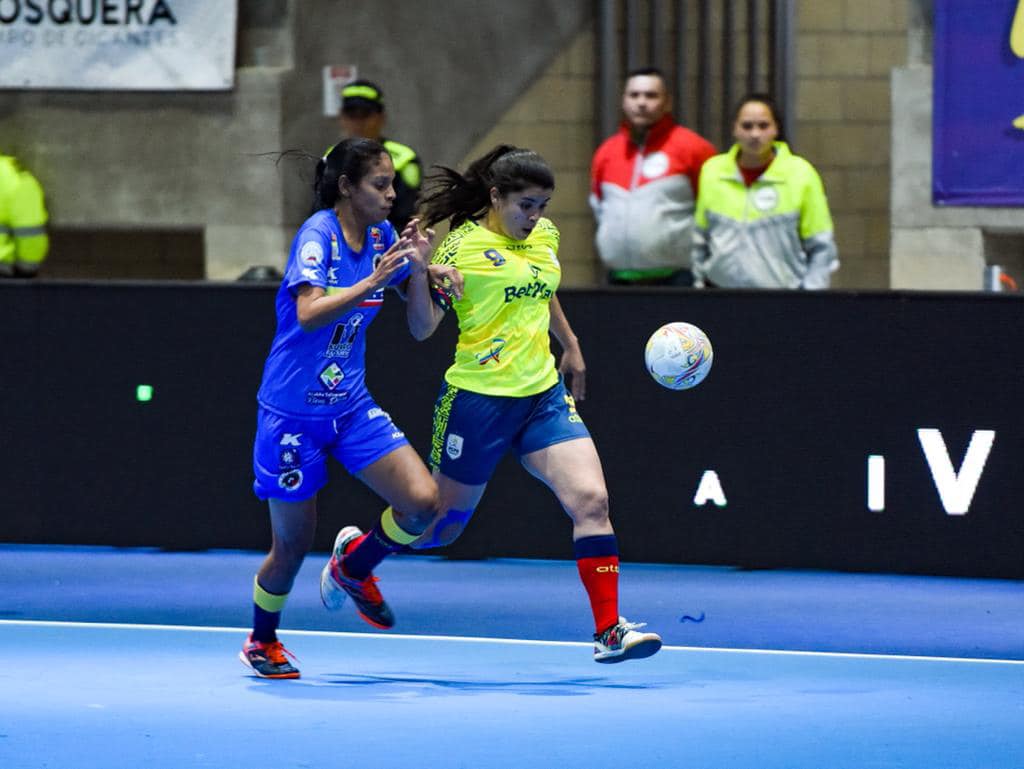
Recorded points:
571,365
422,315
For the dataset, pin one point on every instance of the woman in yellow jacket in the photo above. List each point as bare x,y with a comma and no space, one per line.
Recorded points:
762,220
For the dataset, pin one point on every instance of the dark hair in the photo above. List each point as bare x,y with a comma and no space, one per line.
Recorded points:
447,193
647,71
350,158
769,102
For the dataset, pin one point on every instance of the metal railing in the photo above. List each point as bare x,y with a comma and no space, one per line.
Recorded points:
711,51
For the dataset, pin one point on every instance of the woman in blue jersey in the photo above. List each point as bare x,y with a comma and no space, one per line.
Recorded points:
504,391
313,401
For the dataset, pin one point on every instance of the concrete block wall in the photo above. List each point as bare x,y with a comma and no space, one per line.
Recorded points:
555,116
161,165
846,50
937,247
189,160
114,162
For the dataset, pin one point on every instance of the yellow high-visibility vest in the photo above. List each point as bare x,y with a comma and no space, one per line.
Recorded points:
23,217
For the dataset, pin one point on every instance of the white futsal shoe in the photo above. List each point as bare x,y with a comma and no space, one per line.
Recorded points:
622,642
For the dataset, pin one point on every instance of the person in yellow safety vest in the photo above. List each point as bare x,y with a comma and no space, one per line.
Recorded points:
762,219
363,116
23,240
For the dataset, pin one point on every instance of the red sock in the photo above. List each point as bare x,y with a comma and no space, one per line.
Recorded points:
600,576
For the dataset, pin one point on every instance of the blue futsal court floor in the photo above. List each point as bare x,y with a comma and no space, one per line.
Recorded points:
128,658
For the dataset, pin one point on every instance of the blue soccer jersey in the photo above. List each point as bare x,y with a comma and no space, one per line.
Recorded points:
317,373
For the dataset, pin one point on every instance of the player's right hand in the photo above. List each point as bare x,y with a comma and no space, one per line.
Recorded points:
391,261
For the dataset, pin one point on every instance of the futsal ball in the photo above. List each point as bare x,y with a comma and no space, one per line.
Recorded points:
678,356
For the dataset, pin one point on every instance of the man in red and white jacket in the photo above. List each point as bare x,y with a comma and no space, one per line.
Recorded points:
643,188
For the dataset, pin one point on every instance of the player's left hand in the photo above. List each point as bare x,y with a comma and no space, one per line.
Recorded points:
445,279
574,370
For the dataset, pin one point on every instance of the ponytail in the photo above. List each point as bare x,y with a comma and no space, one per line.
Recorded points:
325,187
449,194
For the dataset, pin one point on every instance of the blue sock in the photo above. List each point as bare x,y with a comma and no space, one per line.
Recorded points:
266,612
369,550
264,624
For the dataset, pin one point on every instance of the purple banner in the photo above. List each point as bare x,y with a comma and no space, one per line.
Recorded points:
978,123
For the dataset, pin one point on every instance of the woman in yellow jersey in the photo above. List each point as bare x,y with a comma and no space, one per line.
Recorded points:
503,390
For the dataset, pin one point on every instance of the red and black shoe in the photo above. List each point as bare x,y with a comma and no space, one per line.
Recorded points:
336,586
267,660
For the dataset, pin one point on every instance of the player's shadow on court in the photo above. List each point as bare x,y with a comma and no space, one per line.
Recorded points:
361,686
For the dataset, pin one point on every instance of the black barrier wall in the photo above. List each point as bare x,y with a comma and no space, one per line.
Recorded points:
873,432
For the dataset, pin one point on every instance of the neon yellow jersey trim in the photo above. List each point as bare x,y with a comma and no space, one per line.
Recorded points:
504,347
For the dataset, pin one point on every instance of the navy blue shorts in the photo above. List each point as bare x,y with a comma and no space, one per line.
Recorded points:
290,454
472,431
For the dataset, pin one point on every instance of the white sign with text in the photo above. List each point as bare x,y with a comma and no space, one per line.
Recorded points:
139,45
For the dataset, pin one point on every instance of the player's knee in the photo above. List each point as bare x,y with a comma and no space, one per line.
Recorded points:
442,538
288,552
420,508
591,506
445,529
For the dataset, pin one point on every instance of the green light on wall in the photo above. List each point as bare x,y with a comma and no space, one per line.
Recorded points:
144,393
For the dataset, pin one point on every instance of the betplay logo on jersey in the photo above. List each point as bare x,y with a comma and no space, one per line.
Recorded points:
536,290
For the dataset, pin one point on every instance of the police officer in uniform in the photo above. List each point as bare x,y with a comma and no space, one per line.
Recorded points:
362,115
23,239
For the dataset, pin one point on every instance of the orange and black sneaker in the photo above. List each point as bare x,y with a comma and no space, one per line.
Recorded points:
268,660
335,585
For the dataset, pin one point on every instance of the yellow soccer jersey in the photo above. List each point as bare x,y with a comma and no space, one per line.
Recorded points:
503,347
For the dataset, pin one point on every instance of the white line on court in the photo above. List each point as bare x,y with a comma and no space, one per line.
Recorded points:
508,641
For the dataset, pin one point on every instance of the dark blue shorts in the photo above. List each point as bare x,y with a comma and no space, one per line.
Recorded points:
290,454
472,432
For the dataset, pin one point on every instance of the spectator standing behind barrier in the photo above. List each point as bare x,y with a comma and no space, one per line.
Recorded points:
23,239
762,216
643,187
363,115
